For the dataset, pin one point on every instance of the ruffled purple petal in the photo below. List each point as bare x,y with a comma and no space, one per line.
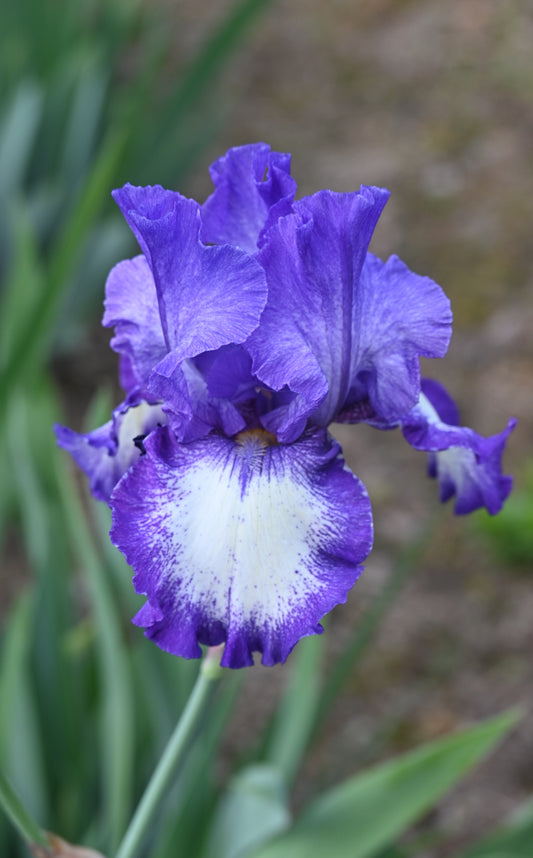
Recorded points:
131,307
441,401
313,261
228,373
208,296
242,541
94,453
192,410
466,464
249,181
398,317
340,325
106,453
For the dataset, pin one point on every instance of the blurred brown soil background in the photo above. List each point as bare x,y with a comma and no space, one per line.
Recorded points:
433,100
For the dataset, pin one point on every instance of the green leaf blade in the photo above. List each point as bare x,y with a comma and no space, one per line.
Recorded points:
253,809
366,813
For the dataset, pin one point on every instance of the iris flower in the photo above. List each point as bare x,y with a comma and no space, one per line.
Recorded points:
246,326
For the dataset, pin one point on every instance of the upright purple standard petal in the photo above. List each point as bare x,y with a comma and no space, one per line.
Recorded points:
249,181
341,326
131,307
313,261
241,541
208,296
466,464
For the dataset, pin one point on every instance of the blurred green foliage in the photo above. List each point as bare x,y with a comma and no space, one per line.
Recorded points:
60,91
92,86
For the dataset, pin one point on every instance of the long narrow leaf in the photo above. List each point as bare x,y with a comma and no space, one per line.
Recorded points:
367,812
61,688
514,839
23,284
17,134
18,814
28,351
84,122
198,79
117,724
31,501
253,810
20,740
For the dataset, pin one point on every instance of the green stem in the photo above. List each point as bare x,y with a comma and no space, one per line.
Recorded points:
173,755
19,816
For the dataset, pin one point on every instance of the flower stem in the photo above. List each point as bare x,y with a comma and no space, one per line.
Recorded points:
177,747
19,816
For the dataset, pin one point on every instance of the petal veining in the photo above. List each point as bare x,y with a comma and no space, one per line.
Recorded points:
208,296
131,307
313,260
250,180
466,464
242,541
340,325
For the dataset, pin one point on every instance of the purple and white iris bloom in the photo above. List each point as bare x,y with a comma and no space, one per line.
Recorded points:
244,329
